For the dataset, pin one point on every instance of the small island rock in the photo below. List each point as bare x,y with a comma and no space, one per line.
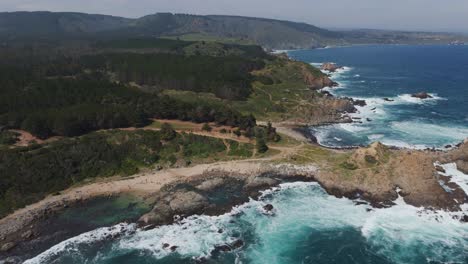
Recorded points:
421,95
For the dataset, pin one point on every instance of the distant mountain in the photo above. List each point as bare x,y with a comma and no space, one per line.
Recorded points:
266,32
269,33
49,24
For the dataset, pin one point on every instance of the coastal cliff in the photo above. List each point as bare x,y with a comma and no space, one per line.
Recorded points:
379,174
376,175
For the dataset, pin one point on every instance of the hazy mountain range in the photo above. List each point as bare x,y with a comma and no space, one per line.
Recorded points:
274,34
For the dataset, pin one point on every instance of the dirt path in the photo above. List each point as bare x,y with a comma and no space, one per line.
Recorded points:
145,183
142,184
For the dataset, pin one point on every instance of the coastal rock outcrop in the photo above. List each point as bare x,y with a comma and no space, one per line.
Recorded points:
331,67
422,95
316,80
215,192
375,173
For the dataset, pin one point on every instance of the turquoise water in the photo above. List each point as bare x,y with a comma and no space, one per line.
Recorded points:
307,226
395,72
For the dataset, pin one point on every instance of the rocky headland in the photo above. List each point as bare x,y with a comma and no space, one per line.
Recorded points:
330,67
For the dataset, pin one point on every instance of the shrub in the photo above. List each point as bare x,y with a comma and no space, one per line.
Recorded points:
261,145
237,132
206,127
370,159
167,132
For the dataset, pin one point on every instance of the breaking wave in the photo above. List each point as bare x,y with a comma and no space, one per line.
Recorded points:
305,223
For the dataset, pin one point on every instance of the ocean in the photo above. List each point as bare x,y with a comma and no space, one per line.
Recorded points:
307,225
395,72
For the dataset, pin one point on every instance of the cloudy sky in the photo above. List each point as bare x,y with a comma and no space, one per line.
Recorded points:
432,15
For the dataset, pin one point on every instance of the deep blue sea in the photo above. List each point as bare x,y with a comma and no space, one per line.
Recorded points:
307,224
395,72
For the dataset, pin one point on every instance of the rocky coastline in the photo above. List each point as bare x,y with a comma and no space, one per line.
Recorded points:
211,192
408,173
376,174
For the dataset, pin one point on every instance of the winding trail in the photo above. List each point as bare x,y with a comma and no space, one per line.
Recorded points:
142,184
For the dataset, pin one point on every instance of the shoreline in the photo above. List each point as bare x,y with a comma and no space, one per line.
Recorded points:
258,175
23,227
347,117
165,185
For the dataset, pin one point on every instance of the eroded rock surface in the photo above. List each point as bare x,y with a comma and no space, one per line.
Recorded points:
216,192
331,67
376,172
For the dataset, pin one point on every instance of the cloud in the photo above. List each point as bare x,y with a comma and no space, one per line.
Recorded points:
396,14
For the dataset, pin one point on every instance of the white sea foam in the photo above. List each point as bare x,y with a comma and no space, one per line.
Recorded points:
280,51
407,98
430,131
398,233
455,175
402,144
70,246
403,231
353,128
316,64
375,137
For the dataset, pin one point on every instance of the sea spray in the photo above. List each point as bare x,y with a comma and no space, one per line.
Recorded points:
308,226
390,79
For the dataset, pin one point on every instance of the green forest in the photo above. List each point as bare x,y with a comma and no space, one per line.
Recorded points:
30,173
76,91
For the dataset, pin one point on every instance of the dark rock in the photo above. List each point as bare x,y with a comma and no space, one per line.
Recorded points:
165,245
421,95
268,207
359,202
220,231
173,248
201,260
368,119
388,99
359,102
237,244
464,219
148,227
439,169
222,248
448,146
373,108
327,93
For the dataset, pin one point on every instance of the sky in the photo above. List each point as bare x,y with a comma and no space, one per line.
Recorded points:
427,15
